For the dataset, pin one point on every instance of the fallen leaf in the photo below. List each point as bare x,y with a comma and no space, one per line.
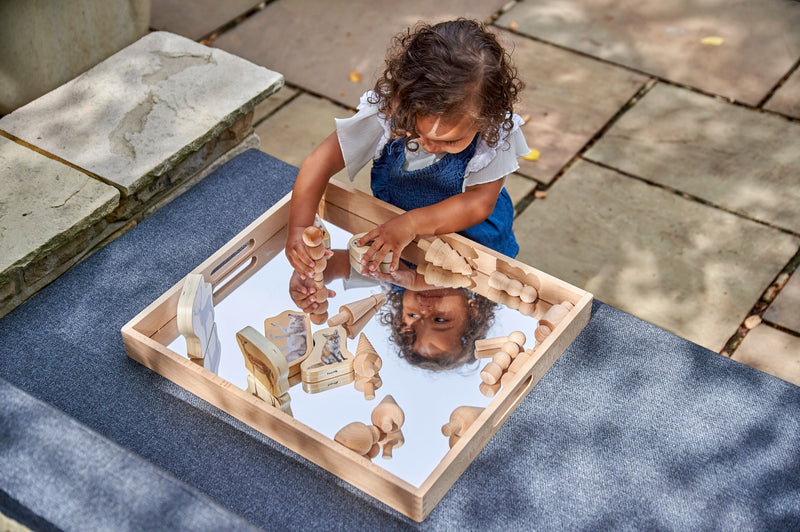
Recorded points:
532,156
354,76
752,321
540,194
712,40
513,25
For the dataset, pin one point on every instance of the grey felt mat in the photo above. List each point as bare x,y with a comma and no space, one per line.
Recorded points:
631,428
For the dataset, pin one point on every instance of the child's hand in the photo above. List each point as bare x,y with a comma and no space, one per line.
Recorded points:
302,291
297,253
391,237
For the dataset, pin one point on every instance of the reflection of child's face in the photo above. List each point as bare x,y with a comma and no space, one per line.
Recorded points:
441,135
438,318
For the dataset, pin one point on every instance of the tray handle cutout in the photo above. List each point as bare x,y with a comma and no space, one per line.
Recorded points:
519,395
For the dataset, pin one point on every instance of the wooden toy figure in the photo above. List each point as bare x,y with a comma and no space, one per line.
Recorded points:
388,416
329,357
436,276
496,373
368,385
460,420
361,438
551,319
195,317
354,316
290,331
440,253
267,367
356,253
393,440
367,362
313,237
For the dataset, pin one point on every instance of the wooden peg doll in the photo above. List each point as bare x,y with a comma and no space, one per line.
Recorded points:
551,319
388,416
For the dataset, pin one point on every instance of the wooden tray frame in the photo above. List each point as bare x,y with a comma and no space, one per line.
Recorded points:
146,336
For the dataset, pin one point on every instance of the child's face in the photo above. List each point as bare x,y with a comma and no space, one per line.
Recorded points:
438,318
438,134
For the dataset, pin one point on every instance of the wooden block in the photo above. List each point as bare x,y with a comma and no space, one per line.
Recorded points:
512,348
542,332
555,314
461,419
387,415
329,357
358,437
195,315
356,253
518,337
491,373
487,347
368,385
327,384
290,331
502,359
392,441
264,361
489,390
367,362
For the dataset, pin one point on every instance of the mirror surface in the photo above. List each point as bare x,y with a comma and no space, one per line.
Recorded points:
426,396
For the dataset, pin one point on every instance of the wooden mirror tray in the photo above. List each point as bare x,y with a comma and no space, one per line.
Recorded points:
342,395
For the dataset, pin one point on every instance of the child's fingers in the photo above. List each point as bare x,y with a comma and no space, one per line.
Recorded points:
370,235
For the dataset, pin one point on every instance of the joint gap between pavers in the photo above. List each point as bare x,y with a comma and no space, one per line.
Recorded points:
778,85
624,108
508,6
760,307
781,328
322,97
209,38
690,197
282,105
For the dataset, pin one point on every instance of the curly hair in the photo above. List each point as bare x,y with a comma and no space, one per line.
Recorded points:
479,320
448,69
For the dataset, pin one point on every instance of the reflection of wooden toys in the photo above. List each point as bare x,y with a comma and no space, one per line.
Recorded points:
313,238
387,415
290,331
551,319
329,359
366,365
487,347
393,440
439,253
195,317
356,253
360,438
460,420
268,372
494,374
436,276
523,296
355,316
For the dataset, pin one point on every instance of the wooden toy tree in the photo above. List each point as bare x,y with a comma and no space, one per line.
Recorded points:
460,420
441,254
355,316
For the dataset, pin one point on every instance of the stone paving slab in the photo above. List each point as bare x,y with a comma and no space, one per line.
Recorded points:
567,99
198,18
771,351
760,38
684,266
269,105
785,309
786,99
44,205
731,156
316,46
140,112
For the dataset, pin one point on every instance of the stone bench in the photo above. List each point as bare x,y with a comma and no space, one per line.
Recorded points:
88,160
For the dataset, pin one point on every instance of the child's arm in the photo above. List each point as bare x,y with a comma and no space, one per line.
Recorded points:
315,172
456,213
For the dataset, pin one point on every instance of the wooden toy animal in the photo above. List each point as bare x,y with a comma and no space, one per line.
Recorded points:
328,358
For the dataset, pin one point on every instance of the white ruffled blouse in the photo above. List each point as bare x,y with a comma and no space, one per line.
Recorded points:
363,136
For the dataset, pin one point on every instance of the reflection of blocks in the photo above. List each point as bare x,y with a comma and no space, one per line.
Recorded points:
460,421
523,295
551,319
439,253
366,365
505,351
329,360
195,319
436,276
354,316
268,371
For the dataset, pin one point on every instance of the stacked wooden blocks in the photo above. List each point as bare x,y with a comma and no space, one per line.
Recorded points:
521,296
313,239
330,364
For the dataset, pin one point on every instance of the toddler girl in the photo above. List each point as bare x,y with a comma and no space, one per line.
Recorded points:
441,130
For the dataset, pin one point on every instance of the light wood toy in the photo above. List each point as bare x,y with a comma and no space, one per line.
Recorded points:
487,347
195,319
460,420
355,316
368,385
267,366
313,238
439,253
551,319
367,362
393,440
290,331
356,253
329,357
494,373
436,276
327,384
525,295
387,415
360,438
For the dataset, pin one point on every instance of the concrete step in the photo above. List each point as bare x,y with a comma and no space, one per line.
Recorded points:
112,145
